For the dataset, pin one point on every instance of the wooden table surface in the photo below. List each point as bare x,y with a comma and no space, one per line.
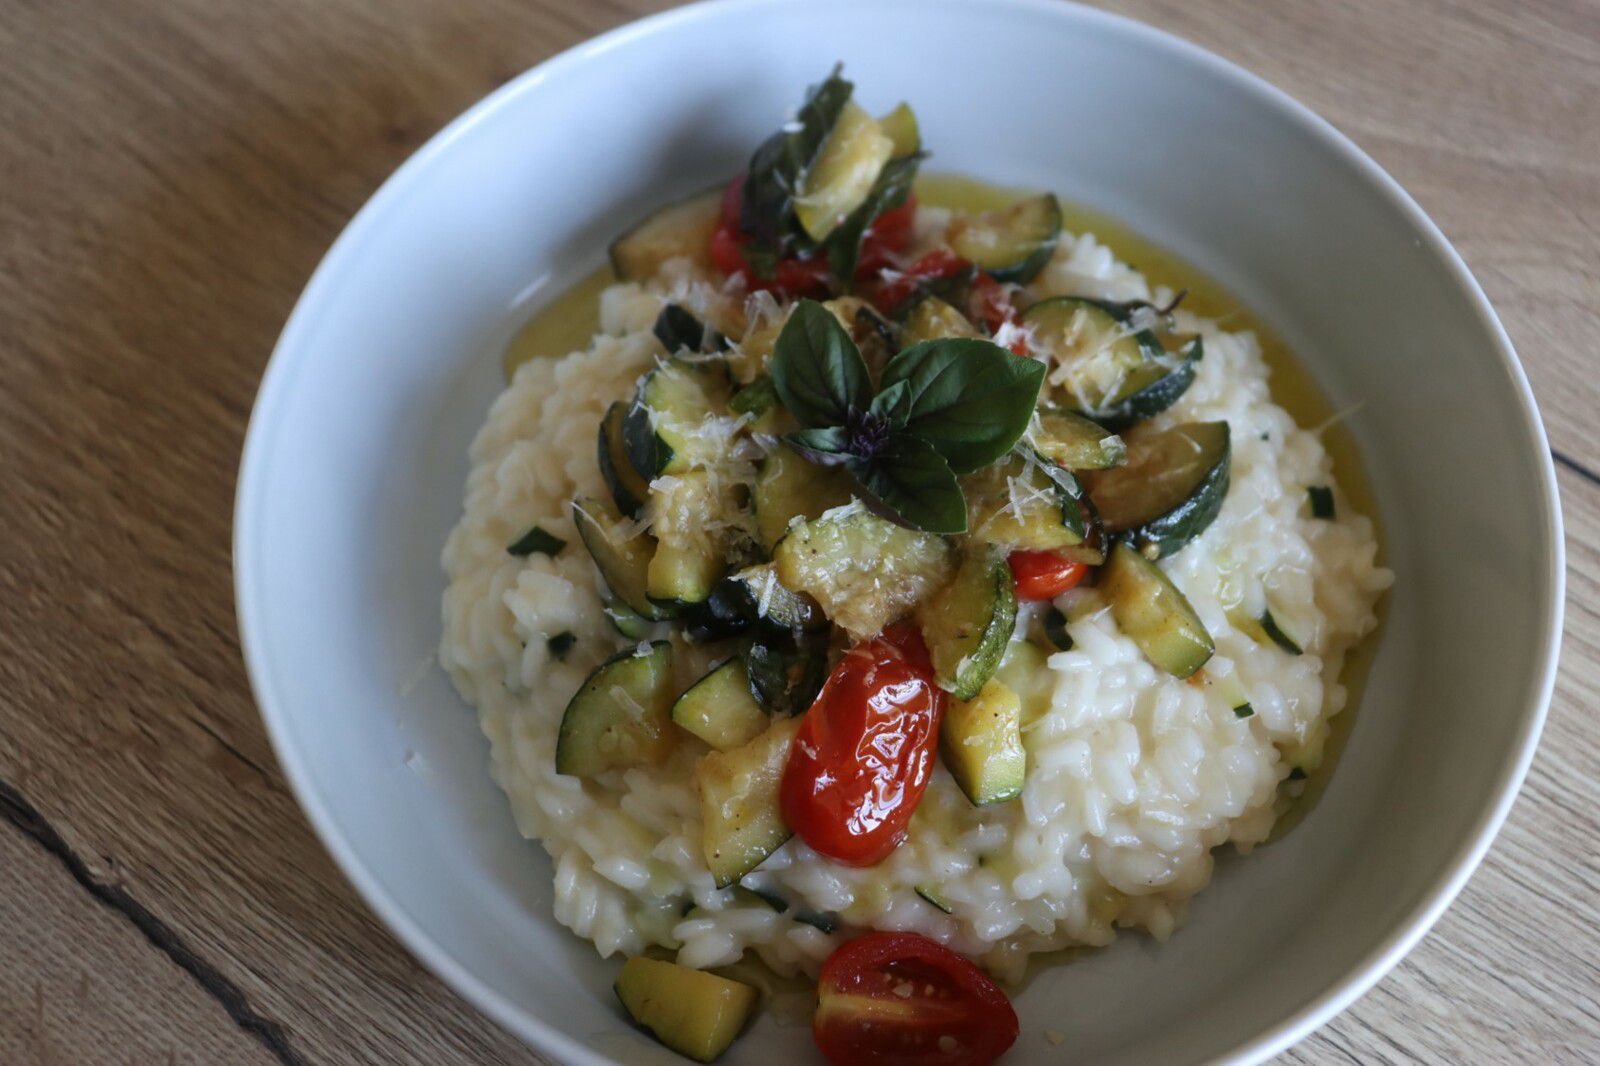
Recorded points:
170,173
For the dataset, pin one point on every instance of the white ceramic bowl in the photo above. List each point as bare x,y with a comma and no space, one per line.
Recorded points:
356,457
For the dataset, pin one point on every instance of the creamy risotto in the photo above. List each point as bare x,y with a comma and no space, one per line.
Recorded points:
1106,582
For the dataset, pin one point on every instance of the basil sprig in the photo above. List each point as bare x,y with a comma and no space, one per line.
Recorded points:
942,407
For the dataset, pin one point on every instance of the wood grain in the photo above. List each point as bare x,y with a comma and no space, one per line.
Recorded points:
171,171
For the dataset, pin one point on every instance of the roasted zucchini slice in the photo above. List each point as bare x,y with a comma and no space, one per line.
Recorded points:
1116,373
1149,608
690,535
843,173
786,672
694,1013
621,716
932,319
620,553
1013,243
677,328
719,708
900,126
1030,503
980,741
1073,441
968,622
628,487
865,571
679,229
1169,490
624,619
788,487
757,593
931,896
739,809
666,429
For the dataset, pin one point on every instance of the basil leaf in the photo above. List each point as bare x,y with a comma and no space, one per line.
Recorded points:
970,399
888,192
817,369
825,446
893,404
767,206
910,482
676,327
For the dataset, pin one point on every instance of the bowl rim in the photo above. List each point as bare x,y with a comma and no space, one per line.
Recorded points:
279,375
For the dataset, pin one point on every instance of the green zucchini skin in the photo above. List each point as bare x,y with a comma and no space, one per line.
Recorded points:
968,622
786,674
676,327
1014,243
674,396
625,620
931,897
1158,395
1151,610
1156,512
621,716
628,487
756,593
624,564
1271,627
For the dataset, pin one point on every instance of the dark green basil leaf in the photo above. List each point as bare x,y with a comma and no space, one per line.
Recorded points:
911,483
893,403
971,399
676,327
888,192
824,445
817,369
537,540
767,207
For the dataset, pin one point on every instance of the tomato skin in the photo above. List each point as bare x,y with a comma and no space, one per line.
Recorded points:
865,1018
865,751
940,264
990,304
1044,575
889,234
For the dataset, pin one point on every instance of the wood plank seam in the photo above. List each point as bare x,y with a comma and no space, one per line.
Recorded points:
16,810
1576,467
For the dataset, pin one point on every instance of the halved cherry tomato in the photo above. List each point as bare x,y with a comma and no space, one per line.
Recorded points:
889,233
941,264
990,303
1044,575
900,999
862,758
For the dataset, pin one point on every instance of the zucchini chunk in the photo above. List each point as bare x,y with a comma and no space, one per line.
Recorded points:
620,716
665,430
739,802
932,898
1025,670
1280,635
1150,609
676,327
843,173
690,535
900,126
719,708
980,741
757,593
865,571
1027,502
621,555
679,229
1170,489
1075,442
1050,630
756,398
624,619
967,623
694,1013
1013,243
788,487
1321,500
537,539
1116,372
786,674
933,318
628,487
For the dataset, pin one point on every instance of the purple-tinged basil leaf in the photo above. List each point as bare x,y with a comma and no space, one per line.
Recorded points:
910,482
970,399
824,445
817,369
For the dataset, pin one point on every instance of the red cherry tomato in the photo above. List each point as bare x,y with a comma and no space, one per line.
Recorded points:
937,265
862,758
900,999
1044,575
889,234
990,303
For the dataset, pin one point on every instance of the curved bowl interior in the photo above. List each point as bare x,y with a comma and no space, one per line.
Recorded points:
357,456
